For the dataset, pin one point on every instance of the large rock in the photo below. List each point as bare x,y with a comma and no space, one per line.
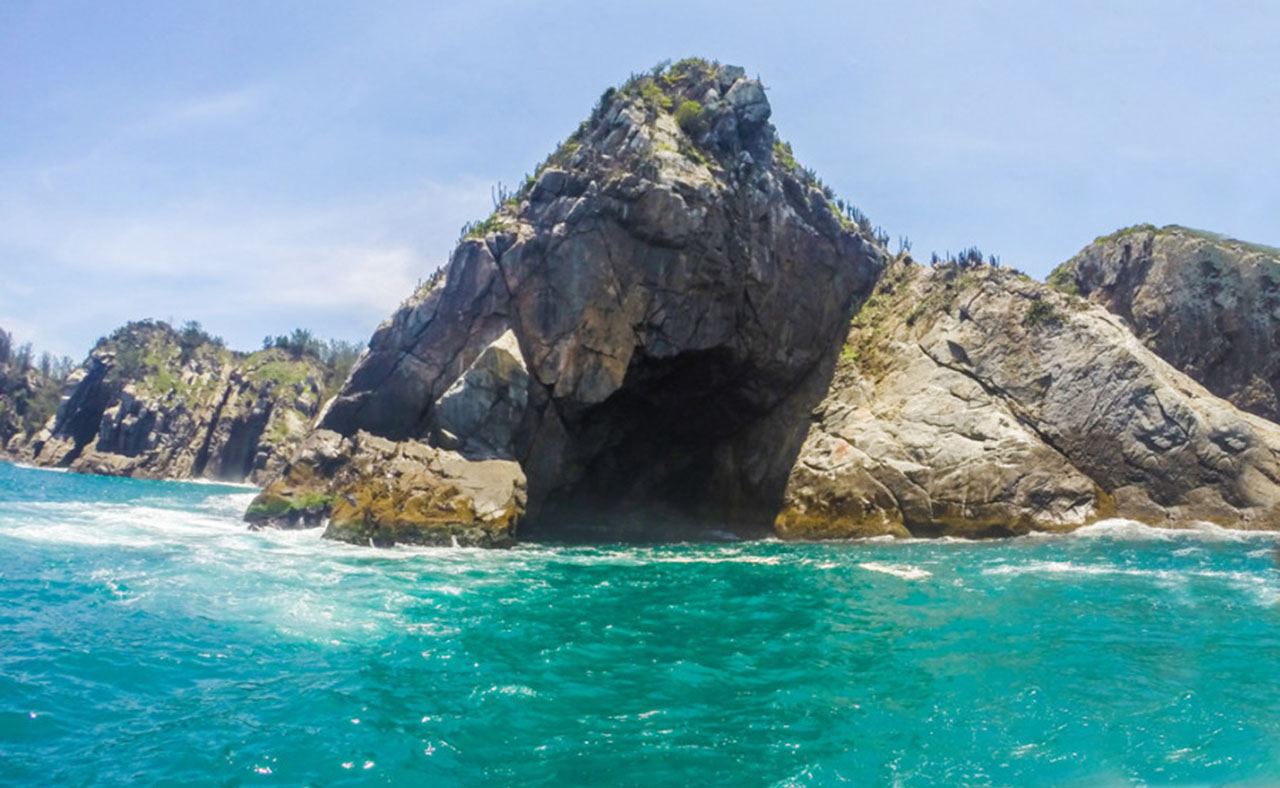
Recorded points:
1205,303
652,299
370,490
973,401
144,404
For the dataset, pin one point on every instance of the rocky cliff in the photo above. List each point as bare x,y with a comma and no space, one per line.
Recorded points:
28,390
157,403
1205,303
973,401
624,338
670,331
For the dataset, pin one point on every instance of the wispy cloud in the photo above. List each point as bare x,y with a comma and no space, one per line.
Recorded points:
350,262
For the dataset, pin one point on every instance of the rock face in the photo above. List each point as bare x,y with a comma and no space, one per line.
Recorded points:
27,395
148,403
973,401
381,492
660,296
646,342
1207,304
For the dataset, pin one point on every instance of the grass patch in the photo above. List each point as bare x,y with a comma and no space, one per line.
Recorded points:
1063,280
691,119
783,154
280,372
653,95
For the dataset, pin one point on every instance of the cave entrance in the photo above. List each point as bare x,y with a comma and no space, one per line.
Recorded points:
649,463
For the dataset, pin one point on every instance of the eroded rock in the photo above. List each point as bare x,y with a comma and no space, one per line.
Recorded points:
144,405
370,490
1207,304
972,401
653,296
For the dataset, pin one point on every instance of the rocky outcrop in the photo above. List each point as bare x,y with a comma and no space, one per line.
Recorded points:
659,297
669,331
1207,304
28,392
381,492
151,402
972,401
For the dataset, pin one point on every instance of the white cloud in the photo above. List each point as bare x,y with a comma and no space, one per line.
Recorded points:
348,264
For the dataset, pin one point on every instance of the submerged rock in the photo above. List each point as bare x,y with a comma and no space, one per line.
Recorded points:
972,401
1207,304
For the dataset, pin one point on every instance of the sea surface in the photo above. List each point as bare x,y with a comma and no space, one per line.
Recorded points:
147,638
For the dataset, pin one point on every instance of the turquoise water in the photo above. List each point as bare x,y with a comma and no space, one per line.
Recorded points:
147,638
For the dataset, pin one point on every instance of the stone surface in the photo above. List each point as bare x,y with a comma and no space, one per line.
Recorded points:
1207,304
624,325
971,401
370,490
142,406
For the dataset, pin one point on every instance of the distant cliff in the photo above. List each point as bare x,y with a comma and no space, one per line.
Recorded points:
1207,304
151,401
29,388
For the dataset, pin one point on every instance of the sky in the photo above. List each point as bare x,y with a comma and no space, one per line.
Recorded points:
261,166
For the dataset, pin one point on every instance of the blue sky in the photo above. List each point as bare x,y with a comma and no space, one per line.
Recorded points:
259,166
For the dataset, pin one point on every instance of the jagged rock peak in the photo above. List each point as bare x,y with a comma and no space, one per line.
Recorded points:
656,293
1206,303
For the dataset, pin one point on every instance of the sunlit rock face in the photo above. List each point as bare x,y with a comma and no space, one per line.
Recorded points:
642,329
1207,304
972,401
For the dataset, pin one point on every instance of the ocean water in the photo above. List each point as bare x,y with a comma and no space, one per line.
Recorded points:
147,638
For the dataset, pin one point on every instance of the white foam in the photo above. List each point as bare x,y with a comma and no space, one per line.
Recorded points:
1132,530
725,559
904,571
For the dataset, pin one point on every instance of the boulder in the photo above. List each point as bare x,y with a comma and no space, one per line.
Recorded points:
370,490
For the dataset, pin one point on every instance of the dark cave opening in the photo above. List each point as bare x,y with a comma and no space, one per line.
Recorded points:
647,464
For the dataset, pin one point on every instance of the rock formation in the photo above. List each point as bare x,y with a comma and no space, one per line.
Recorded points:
151,402
630,335
972,401
645,341
1207,304
28,390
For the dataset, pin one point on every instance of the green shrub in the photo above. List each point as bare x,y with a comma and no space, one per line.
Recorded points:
1063,280
1041,312
653,95
783,155
691,118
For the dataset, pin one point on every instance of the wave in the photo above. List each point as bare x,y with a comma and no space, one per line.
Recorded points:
1259,583
904,571
1132,530
26,467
